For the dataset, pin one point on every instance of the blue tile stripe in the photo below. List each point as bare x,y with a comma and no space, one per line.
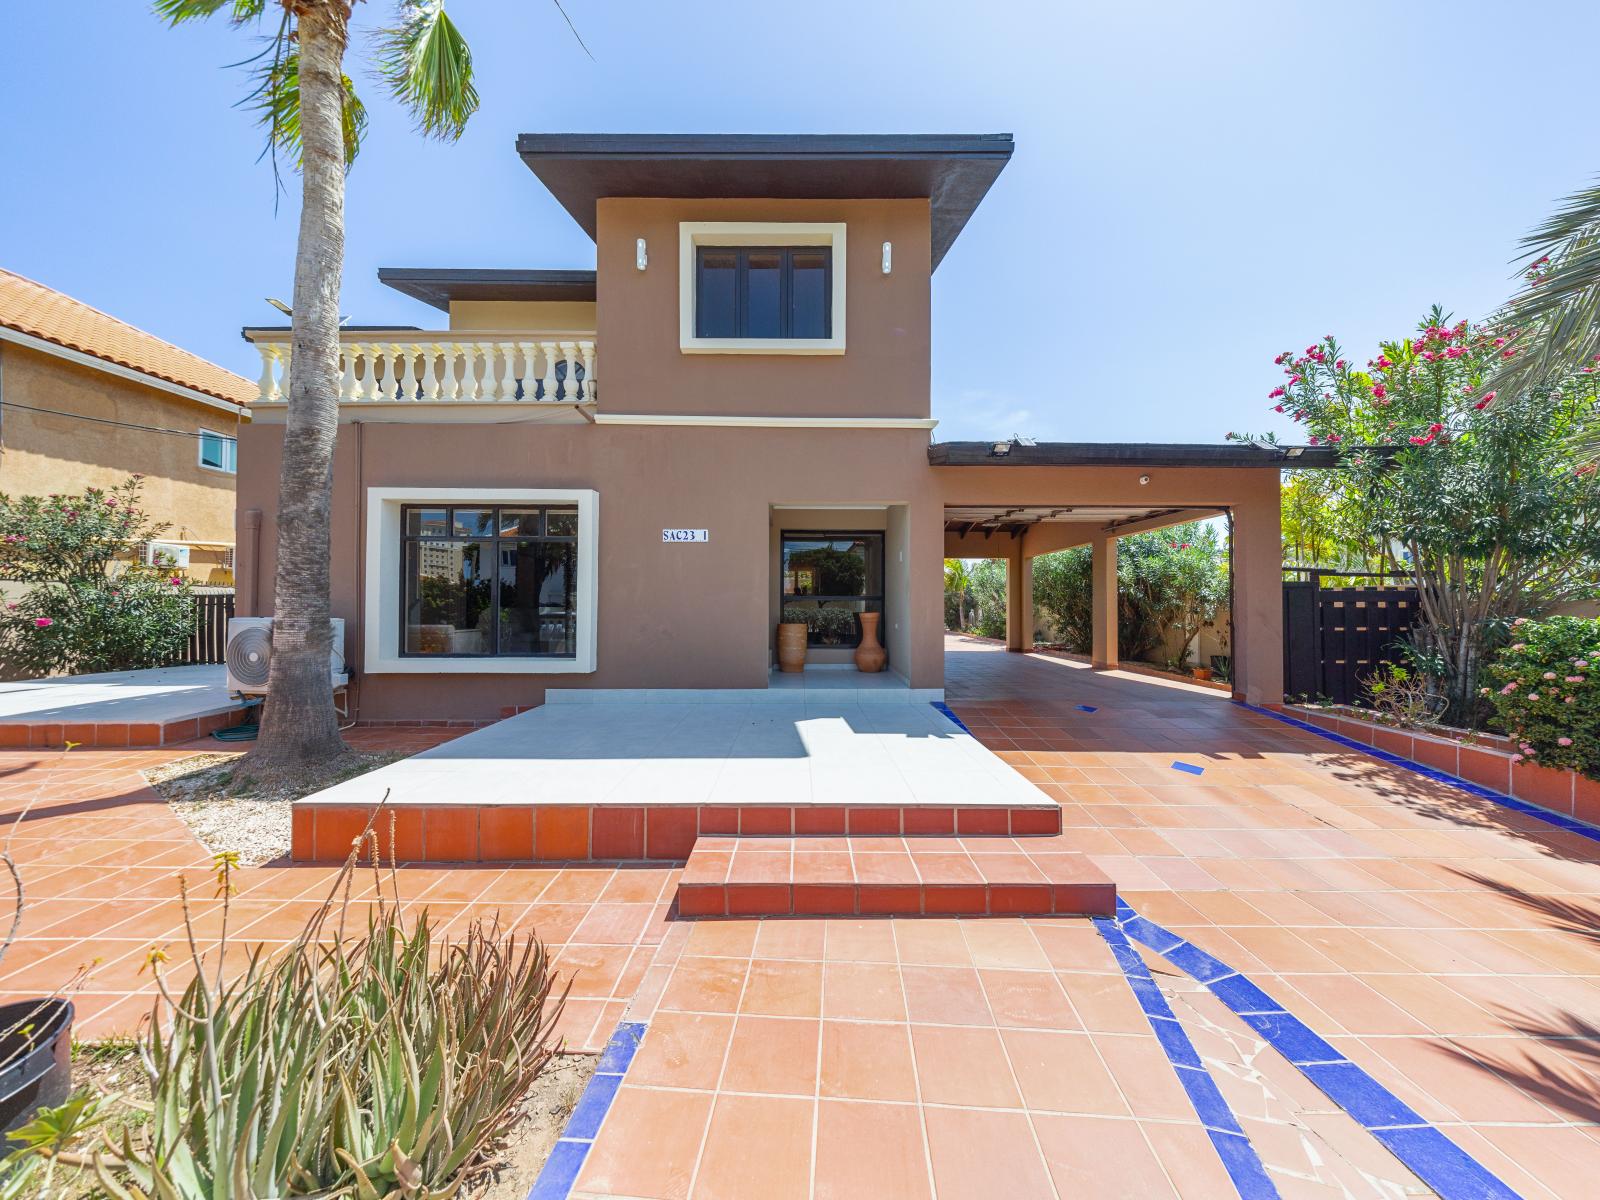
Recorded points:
1189,767
560,1171
951,716
1559,820
1450,1171
1239,1157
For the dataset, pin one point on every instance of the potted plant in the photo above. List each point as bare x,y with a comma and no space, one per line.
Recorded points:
1203,674
792,633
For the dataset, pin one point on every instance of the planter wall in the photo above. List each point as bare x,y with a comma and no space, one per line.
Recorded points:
1481,758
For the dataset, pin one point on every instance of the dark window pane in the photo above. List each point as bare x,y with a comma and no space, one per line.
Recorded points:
763,315
519,520
835,567
563,522
537,598
429,522
809,302
447,598
474,522
716,294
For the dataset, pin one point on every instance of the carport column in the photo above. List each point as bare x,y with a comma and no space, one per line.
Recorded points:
1103,601
1019,597
1258,595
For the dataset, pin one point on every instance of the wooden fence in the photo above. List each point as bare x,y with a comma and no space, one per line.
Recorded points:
1334,637
210,635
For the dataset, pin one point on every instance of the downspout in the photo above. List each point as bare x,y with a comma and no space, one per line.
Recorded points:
251,537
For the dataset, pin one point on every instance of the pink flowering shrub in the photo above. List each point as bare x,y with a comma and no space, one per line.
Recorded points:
85,603
1545,686
1486,497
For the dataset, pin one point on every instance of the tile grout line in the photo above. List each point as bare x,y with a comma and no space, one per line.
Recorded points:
1239,1157
559,1175
1435,1159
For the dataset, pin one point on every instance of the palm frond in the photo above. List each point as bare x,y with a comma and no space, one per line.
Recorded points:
175,12
276,100
428,66
1558,310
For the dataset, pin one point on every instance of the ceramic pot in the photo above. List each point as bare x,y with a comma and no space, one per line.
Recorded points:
870,656
792,648
1203,674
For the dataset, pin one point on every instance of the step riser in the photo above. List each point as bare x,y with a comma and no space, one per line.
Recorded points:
568,833
784,900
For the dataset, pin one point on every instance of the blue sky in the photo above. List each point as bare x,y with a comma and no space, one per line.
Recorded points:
1195,187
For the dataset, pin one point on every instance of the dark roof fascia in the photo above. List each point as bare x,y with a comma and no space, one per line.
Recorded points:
1131,454
952,171
439,286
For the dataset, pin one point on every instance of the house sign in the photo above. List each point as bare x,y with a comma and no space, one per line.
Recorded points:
685,535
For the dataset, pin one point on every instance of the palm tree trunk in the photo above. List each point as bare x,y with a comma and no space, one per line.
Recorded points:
299,728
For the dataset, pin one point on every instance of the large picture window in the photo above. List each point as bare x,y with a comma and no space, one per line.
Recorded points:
487,581
763,291
828,579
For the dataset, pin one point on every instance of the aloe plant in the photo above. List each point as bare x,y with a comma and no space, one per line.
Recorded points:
375,1066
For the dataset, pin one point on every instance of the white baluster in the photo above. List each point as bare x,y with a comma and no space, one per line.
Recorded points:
490,381
430,370
268,385
550,382
347,378
369,364
451,388
508,375
391,372
569,351
471,384
408,373
587,349
530,368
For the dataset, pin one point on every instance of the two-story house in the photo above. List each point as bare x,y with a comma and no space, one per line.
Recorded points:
625,477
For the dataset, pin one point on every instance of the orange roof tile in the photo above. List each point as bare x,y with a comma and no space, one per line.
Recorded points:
32,308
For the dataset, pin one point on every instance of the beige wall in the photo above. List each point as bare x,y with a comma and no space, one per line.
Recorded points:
882,373
41,453
535,316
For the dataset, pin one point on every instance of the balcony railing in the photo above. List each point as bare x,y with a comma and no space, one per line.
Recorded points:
447,368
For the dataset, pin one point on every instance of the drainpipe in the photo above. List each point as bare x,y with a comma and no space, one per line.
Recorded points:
250,539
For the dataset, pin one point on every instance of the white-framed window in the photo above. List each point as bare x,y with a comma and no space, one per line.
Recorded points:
481,580
761,287
219,452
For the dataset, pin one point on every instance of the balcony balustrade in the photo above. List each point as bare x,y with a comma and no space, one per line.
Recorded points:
447,368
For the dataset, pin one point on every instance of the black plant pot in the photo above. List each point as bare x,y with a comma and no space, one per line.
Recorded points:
35,1060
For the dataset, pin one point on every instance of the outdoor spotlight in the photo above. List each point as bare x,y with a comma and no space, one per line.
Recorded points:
641,255
1143,479
888,256
1001,449
1294,451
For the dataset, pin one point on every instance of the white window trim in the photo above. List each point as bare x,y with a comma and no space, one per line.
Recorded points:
382,634
200,451
692,234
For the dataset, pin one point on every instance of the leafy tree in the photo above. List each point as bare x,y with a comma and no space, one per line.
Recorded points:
989,598
957,589
85,609
1062,590
1481,495
313,116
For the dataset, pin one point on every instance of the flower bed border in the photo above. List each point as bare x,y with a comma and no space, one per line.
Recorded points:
1485,759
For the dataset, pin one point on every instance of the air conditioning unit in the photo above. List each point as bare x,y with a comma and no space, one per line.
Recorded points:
248,654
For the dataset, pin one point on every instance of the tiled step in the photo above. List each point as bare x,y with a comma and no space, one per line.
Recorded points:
862,876
467,832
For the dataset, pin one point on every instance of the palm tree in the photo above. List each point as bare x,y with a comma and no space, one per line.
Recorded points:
1559,308
314,118
958,582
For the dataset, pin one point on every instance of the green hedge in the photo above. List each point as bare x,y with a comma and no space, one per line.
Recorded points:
1546,688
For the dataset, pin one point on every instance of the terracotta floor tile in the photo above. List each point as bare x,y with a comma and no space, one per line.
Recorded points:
945,996
783,989
870,1152
849,940
682,1050
1145,1078
1091,1156
773,1055
962,1066
867,1062
862,991
1004,942
649,1145
1190,1160
932,942
757,1146
1104,1003
1030,999
799,938
706,985
722,939
982,1155
1062,1072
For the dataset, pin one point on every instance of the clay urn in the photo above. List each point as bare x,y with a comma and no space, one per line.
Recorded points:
792,647
870,656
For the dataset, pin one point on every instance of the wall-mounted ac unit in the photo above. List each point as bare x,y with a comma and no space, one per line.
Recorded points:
165,553
248,654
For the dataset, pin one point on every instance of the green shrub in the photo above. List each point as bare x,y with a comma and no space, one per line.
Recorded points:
1545,686
85,610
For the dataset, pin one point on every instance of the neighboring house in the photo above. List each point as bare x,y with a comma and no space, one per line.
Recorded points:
87,400
623,478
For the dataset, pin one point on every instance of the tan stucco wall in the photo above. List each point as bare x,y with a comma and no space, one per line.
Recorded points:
680,615
42,453
883,372
536,316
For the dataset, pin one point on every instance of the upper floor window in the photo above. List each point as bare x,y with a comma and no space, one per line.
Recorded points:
219,452
763,292
761,287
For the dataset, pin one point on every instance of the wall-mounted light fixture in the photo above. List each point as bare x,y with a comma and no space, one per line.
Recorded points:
888,257
641,255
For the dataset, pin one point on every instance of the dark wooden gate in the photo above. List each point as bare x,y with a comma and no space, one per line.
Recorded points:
1333,637
210,634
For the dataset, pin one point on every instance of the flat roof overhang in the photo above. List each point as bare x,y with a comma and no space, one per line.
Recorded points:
1015,519
952,171
1130,454
439,286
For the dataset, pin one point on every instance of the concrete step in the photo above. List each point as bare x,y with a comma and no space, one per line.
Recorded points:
880,875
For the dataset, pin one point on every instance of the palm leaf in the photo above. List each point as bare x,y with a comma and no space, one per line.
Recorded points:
276,100
1558,311
178,11
428,66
